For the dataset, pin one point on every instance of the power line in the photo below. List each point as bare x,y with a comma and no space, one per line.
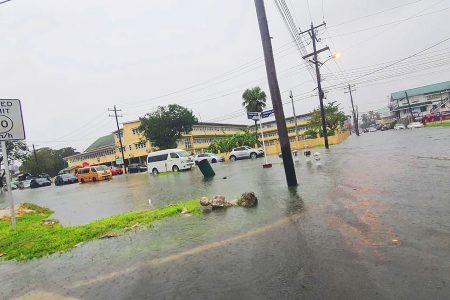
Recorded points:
373,14
4,1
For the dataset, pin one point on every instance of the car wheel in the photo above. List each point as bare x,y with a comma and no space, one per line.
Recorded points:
155,171
175,169
94,179
232,158
213,160
82,180
253,155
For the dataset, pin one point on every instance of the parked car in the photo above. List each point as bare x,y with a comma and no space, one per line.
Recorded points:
399,126
384,128
65,179
372,129
116,171
415,125
170,160
39,182
245,152
136,168
94,173
211,157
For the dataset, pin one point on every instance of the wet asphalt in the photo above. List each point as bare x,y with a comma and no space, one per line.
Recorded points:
371,220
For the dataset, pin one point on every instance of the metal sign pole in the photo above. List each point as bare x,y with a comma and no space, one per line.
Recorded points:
8,185
262,137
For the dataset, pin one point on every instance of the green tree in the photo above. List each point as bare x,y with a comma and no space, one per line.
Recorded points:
254,101
164,126
17,151
227,143
334,118
49,161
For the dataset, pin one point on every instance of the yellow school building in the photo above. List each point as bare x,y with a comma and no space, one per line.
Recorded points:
106,149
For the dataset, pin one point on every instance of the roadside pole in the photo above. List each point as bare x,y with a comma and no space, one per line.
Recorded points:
264,143
8,185
275,94
295,116
122,149
409,106
11,129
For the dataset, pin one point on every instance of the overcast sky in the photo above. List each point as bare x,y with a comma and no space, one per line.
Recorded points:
69,61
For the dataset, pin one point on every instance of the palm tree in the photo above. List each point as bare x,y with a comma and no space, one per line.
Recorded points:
254,101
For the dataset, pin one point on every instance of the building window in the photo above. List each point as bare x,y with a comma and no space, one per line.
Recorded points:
135,130
187,143
121,149
140,145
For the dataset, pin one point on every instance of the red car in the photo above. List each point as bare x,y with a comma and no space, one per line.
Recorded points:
116,171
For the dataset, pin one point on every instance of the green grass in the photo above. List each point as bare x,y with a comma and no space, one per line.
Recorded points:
32,239
438,124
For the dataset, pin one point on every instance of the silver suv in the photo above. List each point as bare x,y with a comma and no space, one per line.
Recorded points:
245,152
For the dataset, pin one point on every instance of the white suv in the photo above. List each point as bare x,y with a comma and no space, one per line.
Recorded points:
245,152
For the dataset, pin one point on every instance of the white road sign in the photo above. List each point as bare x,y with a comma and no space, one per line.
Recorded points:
11,121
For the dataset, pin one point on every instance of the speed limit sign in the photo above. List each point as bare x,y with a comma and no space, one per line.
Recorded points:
11,121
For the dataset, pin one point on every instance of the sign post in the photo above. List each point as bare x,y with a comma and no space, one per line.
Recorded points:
264,114
11,129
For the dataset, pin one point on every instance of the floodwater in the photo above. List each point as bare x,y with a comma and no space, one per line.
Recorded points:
370,221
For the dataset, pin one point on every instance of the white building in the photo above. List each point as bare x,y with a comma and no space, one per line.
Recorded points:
422,100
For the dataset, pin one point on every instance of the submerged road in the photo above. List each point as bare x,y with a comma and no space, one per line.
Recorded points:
370,221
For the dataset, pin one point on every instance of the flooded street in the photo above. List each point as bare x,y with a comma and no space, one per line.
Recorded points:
370,221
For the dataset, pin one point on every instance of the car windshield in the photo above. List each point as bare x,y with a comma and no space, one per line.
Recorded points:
66,176
101,168
183,154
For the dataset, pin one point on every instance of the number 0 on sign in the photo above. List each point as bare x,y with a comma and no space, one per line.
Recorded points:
11,121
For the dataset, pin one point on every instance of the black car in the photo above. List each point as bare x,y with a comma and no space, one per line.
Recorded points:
39,182
65,179
136,168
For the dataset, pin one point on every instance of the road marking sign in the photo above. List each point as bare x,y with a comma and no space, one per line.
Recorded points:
266,113
253,115
11,121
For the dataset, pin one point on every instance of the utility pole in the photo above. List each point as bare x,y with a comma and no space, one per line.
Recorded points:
36,160
288,162
317,64
355,120
295,115
122,149
409,106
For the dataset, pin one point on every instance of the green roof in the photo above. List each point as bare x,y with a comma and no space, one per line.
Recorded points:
103,141
427,89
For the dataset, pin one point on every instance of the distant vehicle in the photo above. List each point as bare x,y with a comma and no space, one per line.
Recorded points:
94,173
136,168
415,125
39,182
245,152
65,179
24,184
116,171
169,160
372,129
384,128
210,157
399,126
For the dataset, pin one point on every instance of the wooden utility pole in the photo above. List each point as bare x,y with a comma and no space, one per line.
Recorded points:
36,160
288,162
295,116
317,64
122,149
355,120
409,106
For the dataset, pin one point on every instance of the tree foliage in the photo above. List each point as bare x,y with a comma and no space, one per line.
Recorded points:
254,99
17,151
49,161
369,119
164,126
227,143
334,118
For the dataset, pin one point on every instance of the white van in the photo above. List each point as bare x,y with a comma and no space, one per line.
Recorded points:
170,160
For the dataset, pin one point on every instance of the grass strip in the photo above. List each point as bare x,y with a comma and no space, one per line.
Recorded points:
438,124
33,239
